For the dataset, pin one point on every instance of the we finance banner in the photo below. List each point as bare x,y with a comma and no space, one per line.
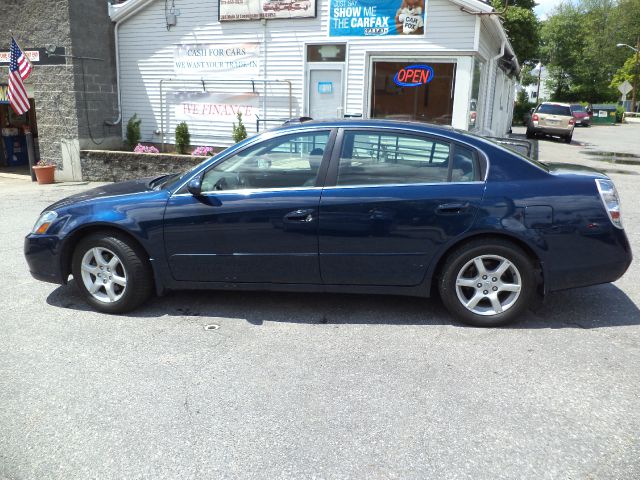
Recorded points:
364,18
189,106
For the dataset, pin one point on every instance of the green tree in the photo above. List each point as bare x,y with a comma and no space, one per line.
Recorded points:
562,44
133,131
522,27
579,47
626,72
239,132
183,137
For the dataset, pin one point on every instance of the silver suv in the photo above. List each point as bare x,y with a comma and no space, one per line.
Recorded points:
552,119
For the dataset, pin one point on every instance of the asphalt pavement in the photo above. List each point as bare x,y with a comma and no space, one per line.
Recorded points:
318,386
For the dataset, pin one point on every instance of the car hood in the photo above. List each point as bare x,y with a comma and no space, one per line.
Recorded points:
571,169
109,190
580,114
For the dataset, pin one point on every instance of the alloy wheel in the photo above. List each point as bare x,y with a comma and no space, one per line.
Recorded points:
103,275
488,285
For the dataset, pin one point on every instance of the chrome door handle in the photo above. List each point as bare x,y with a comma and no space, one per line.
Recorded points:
451,208
302,215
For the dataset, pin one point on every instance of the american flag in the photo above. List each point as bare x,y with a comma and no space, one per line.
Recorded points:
19,70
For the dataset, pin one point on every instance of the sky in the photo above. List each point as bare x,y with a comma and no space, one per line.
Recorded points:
544,7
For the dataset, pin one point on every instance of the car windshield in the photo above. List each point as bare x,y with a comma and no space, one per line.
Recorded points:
578,108
554,109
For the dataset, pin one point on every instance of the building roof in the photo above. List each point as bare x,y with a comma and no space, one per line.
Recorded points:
127,8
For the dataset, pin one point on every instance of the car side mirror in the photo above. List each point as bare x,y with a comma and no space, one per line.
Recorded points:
195,186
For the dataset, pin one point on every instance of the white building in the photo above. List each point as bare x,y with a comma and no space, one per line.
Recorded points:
532,90
202,61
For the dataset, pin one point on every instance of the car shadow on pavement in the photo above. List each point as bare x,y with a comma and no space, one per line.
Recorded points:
592,307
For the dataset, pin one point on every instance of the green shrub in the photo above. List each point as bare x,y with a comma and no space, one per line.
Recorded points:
133,131
183,138
522,109
239,132
619,113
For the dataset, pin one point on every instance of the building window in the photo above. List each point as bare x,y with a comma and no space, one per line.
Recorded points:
327,52
428,101
474,101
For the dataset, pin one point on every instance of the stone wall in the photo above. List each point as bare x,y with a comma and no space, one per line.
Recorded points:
109,166
73,100
36,23
95,86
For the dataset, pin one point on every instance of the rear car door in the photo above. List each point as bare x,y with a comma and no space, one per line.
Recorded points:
392,199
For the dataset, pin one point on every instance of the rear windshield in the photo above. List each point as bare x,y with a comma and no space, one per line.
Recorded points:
578,108
554,110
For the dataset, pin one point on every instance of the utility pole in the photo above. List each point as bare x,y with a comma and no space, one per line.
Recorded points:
538,89
635,76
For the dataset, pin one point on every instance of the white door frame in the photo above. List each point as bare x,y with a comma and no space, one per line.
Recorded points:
461,87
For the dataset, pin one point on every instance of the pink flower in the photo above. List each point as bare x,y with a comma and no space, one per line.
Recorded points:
202,152
145,149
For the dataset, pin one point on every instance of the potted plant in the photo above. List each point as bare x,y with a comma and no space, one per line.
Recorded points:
45,172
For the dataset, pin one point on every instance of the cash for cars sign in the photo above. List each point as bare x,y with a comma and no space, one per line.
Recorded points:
209,61
359,18
231,10
190,106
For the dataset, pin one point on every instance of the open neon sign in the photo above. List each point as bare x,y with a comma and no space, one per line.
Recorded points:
413,76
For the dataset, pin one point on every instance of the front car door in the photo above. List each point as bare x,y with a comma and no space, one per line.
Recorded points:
257,217
392,199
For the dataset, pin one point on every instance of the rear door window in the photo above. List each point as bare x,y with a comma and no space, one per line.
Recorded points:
372,158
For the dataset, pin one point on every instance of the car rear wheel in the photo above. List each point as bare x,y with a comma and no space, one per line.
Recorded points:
111,272
567,138
487,284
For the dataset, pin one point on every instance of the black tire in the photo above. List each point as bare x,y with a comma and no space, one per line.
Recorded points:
132,262
458,261
567,138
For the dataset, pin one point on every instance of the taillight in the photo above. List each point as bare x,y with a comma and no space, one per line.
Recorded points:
535,117
473,115
572,121
610,199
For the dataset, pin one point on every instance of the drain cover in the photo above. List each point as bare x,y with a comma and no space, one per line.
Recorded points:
212,326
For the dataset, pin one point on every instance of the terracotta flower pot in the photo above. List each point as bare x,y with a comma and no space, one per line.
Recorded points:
45,174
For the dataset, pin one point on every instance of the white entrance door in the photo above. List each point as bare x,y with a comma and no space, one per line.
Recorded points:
325,92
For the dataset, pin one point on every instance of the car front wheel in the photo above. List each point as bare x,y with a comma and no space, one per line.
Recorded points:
111,272
487,284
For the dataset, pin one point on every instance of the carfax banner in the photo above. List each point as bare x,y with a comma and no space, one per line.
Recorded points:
360,18
231,10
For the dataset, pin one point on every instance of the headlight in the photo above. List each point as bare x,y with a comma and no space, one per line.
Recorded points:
44,222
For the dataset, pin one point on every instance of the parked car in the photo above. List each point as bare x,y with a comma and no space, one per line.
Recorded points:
551,118
352,206
580,115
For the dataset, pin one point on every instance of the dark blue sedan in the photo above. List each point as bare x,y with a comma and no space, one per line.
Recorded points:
345,206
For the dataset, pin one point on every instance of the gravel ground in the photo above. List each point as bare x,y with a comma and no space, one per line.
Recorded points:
298,386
